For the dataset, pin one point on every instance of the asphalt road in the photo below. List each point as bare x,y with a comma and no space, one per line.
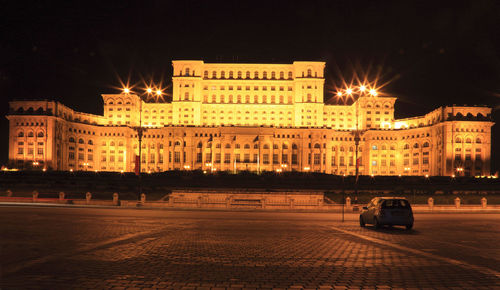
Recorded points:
88,248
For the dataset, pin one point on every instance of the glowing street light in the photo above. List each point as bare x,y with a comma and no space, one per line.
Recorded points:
373,92
362,88
126,90
348,91
159,92
149,90
339,94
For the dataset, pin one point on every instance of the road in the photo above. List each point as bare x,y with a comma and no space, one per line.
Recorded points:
89,248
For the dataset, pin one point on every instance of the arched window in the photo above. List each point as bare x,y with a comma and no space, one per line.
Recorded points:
341,149
231,74
186,96
237,146
222,74
317,146
282,75
294,146
113,143
285,146
121,144
247,146
214,74
239,75
309,73
238,99
407,146
200,145
255,99
205,74
30,134
71,140
264,75
290,75
273,75
20,134
248,75
256,75
80,141
425,145
40,134
273,99
458,140
90,142
478,140
351,149
214,99
247,99
187,72
415,145
468,140
217,145
228,146
282,99
266,146
177,143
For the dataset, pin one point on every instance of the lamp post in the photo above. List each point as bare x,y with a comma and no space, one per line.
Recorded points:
140,132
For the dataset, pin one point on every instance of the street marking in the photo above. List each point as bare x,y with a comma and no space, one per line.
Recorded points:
24,265
421,253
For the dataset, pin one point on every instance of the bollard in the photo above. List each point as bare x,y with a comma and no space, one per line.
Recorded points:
348,202
9,193
484,202
143,198
35,196
457,202
115,199
430,202
61,196
88,197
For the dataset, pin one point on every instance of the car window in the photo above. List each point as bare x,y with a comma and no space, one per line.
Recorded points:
395,203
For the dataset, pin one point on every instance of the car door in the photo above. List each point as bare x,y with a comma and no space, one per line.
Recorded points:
370,211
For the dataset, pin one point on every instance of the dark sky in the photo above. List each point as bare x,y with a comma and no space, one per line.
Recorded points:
431,54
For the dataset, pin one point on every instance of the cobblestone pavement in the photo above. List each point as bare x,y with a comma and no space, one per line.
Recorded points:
81,248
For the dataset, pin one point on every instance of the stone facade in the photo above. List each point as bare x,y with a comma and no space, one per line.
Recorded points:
258,117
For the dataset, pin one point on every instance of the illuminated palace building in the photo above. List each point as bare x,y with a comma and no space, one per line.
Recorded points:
257,117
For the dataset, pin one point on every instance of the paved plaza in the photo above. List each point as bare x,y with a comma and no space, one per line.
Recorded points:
92,248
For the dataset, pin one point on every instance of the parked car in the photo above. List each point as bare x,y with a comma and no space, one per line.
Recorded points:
391,211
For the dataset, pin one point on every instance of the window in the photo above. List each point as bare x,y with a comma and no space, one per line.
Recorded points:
317,158
266,158
40,134
227,158
275,159
374,147
187,72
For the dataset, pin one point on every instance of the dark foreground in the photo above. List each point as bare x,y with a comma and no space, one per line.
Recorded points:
61,248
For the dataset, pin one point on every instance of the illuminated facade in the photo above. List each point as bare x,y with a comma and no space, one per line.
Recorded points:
258,117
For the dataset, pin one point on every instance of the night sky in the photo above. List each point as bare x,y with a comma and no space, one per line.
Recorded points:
428,54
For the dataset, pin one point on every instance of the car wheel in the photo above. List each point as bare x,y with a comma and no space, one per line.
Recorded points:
377,224
408,227
361,221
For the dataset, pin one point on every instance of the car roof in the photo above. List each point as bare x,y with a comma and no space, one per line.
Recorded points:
391,197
